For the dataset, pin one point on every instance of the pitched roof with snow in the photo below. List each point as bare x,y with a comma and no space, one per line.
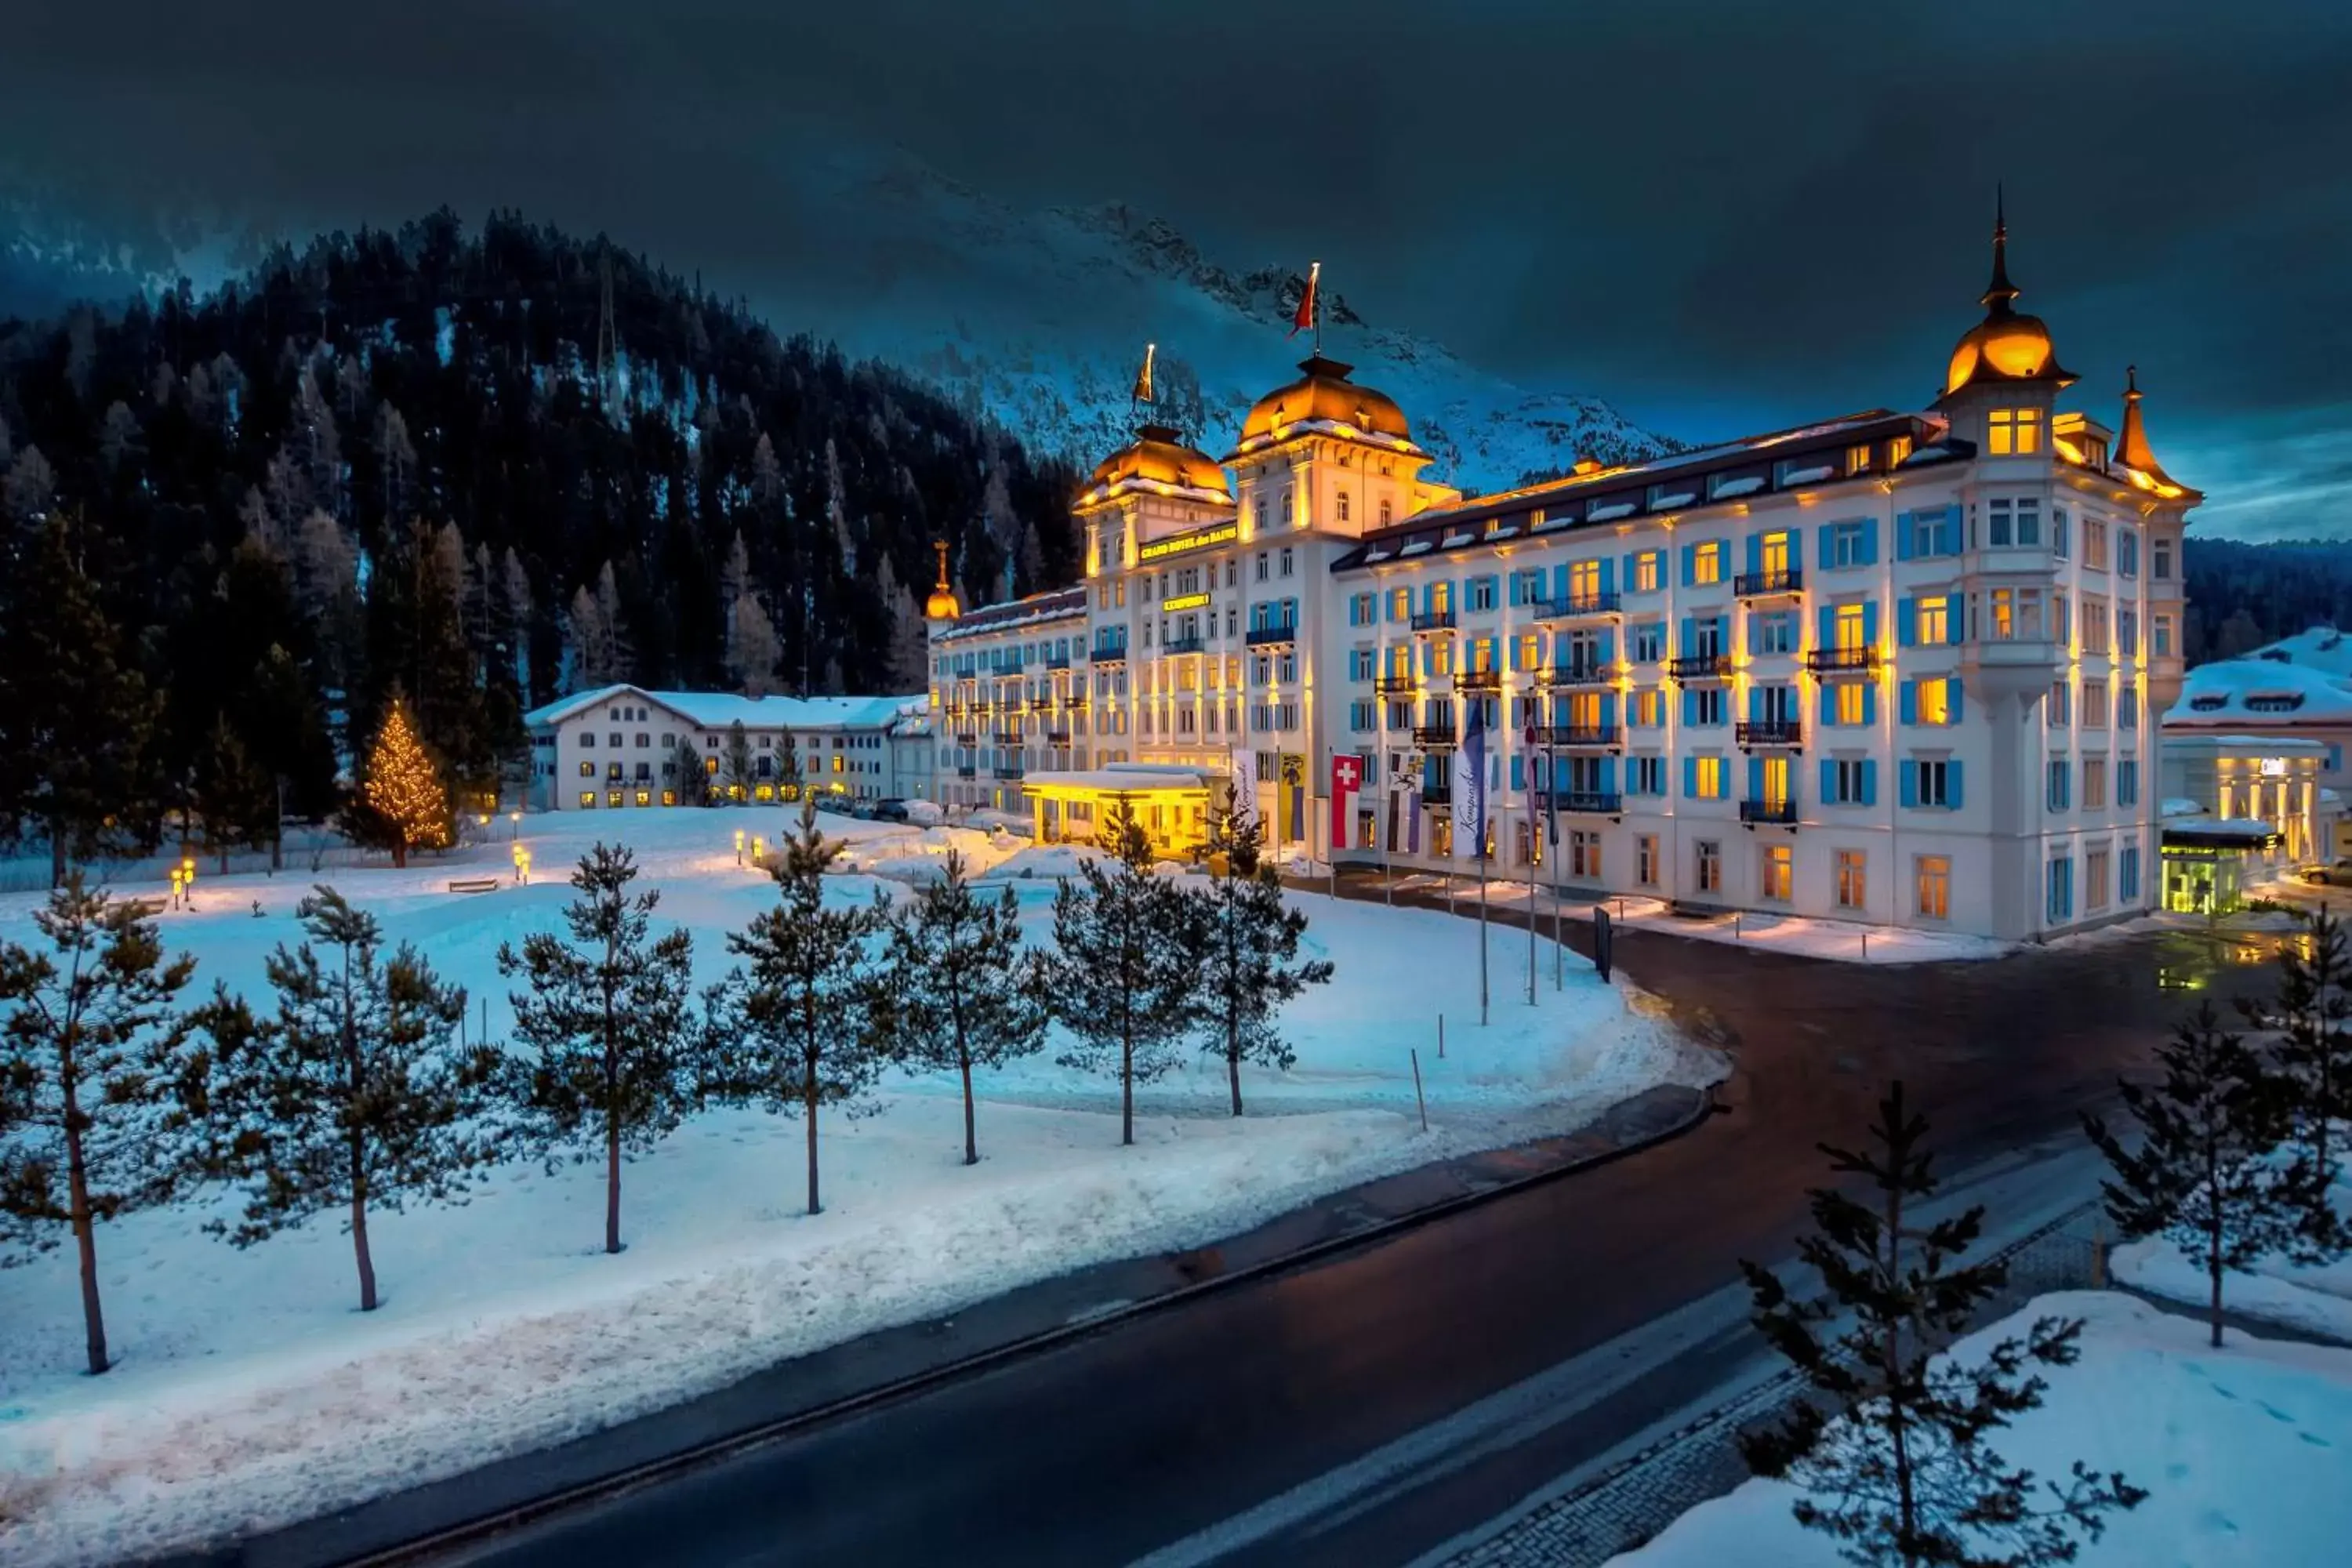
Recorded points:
2321,647
1055,605
2239,694
717,710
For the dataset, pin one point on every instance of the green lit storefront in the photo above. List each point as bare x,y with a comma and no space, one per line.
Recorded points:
2206,864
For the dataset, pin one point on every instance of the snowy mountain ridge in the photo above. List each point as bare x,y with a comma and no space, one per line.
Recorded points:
1034,320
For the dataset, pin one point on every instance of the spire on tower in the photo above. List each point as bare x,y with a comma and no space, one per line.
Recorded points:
2001,293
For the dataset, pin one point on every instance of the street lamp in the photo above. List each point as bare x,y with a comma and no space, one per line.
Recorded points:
738,847
188,883
178,879
758,849
521,864
516,818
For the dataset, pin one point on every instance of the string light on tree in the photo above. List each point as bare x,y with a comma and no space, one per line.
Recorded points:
404,790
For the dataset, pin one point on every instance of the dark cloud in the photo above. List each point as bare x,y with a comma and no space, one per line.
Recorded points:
1721,215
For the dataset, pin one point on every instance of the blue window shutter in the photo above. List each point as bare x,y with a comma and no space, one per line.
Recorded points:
1608,575
1823,703
1518,771
1689,635
1955,694
1869,781
1910,701
1754,702
1824,549
1608,710
1829,780
1825,621
1723,631
1690,565
1903,536
1756,552
1608,775
1608,645
1870,623
1907,622
1870,541
1690,778
1910,782
1559,582
1948,532
1952,783
1755,633
1690,705
1756,778
1870,703
1632,571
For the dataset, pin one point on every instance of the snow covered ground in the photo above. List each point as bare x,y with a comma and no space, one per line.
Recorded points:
2315,1301
249,1392
2243,1451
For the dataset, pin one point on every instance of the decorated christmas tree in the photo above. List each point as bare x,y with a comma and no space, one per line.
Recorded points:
407,808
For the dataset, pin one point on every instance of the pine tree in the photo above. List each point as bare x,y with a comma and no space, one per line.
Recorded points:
693,786
235,802
752,648
1243,969
803,1024
963,991
103,1076
735,772
788,769
402,803
1896,1463
355,1096
2210,1174
618,1062
2312,1060
75,719
1119,974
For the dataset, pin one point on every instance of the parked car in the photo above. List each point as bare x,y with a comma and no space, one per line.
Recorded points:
892,810
2338,875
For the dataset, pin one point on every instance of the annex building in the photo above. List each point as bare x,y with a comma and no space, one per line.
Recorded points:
1888,666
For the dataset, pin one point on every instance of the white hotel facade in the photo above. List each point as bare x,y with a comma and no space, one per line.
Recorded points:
1892,668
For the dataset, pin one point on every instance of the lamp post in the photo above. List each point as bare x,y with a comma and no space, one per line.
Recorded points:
176,881
758,849
515,819
188,883
521,864
738,847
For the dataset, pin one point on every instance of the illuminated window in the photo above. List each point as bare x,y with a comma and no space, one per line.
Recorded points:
1857,459
1780,872
1897,451
1706,778
1706,563
588,798
1647,570
1852,626
587,770
1342,505
1935,700
1849,704
1584,582
2013,432
1851,880
645,797
1934,887
2000,615
1384,513
1935,620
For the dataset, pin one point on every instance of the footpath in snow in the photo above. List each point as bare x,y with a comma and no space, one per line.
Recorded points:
249,1393
2243,1451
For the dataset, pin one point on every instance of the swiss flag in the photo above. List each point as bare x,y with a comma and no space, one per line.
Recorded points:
1347,778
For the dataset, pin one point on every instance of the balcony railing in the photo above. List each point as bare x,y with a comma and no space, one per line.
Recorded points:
966,771
1076,704
1193,644
1478,680
1393,685
1108,653
1433,737
1770,732
1576,606
1576,734
1781,811
1041,705
1271,636
1433,620
1699,666
1006,771
1575,674
1766,584
1841,660
1057,737
1437,795
1058,661
1589,802
967,738
1008,737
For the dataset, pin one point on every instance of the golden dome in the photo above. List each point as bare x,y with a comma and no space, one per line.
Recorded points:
1157,455
941,605
2005,345
1324,392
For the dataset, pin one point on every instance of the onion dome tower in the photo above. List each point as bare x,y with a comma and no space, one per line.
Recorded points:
941,605
2007,346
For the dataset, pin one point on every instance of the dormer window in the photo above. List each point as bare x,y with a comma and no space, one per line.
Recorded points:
1897,451
2208,704
2013,432
1857,459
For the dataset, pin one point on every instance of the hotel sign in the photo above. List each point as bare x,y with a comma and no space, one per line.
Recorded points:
1177,544
1184,602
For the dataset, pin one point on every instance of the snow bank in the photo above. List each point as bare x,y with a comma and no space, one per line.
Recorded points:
2241,1451
2314,1300
249,1393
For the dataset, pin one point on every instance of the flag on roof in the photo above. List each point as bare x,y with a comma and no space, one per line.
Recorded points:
1304,316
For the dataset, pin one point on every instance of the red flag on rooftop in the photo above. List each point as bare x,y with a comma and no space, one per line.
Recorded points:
1306,313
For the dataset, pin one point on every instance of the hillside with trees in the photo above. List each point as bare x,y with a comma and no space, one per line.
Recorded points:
475,471
2241,596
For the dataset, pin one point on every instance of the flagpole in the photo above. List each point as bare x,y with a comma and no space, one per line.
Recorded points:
1533,842
1552,813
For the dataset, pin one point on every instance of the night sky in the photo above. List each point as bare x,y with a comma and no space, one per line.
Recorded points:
1722,216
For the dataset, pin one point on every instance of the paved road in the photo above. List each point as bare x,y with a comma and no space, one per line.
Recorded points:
1399,1395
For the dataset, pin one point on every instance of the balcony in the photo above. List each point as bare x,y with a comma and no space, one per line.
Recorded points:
1058,661
1076,704
1437,793
1271,636
1576,734
1006,771
1041,705
1196,643
1769,811
1582,802
1841,660
1576,607
1768,584
1433,737
1753,732
1433,620
1393,685
1699,666
1478,680
967,739
1009,737
1575,674
1058,737
966,771
1109,653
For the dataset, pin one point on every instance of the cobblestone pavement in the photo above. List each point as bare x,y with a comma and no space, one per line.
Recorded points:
1631,1500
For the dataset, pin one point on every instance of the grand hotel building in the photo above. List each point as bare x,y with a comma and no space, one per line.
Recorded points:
1892,668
